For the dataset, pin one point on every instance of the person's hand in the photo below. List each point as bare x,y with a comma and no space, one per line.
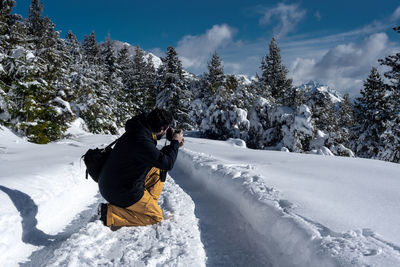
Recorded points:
178,136
181,143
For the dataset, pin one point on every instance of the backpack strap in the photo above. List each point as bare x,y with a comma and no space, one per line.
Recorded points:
110,145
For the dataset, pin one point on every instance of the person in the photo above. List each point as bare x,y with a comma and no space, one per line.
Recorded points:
134,174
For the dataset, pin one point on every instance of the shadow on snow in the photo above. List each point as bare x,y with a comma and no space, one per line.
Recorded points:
31,235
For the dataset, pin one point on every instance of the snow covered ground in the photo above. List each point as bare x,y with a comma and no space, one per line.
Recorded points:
223,204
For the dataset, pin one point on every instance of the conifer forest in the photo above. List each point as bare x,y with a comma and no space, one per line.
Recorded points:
47,81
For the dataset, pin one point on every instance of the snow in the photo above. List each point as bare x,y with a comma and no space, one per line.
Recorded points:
312,87
223,204
45,200
64,104
244,79
157,62
29,56
329,203
174,242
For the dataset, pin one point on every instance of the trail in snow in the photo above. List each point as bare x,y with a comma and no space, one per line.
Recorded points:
224,232
273,223
173,242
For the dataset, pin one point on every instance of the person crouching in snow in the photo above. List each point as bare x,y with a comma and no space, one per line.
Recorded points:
134,174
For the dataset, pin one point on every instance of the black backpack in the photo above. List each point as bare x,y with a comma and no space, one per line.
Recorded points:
95,159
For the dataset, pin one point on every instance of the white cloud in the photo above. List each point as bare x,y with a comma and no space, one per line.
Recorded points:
342,60
232,67
343,67
288,15
196,50
396,14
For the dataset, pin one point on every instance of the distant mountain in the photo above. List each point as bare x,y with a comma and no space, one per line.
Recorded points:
313,87
118,45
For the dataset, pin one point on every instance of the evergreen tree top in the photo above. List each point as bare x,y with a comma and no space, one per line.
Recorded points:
91,48
6,18
71,39
215,65
393,61
373,96
274,75
374,81
172,62
123,56
34,19
139,58
215,76
274,52
35,9
6,7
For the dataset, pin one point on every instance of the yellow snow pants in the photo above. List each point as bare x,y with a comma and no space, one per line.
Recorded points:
144,212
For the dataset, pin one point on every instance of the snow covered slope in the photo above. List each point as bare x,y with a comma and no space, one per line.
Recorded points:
118,45
223,204
310,210
312,87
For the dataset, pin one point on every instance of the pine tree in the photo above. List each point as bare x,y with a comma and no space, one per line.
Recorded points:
139,89
8,22
371,114
91,49
35,22
40,28
73,47
346,120
9,33
274,77
393,75
5,104
390,139
214,81
324,113
6,18
123,60
226,116
215,76
126,107
96,101
109,59
231,83
174,94
37,81
149,85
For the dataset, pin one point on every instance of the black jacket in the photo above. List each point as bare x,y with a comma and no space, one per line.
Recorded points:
122,178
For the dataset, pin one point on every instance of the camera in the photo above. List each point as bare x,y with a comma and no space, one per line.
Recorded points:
170,133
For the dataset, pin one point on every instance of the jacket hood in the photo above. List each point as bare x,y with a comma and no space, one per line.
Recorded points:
137,124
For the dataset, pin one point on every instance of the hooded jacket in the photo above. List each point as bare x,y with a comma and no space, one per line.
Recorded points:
122,179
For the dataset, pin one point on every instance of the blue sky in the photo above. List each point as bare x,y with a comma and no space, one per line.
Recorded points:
333,42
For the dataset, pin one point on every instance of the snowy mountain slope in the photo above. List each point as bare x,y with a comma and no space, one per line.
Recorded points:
118,45
312,87
223,205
